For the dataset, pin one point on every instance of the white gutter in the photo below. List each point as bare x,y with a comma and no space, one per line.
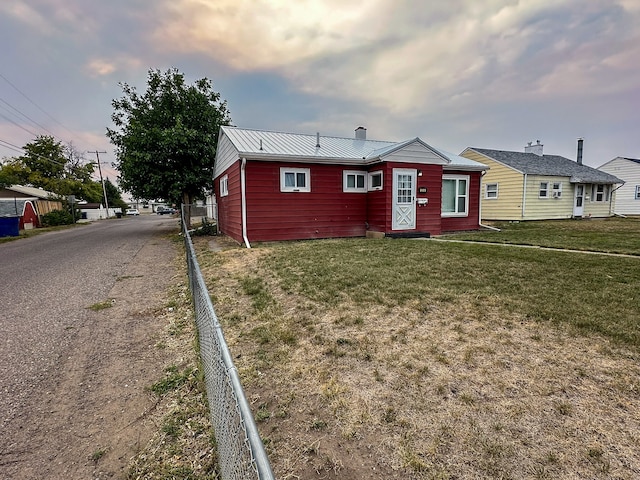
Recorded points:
243,201
524,195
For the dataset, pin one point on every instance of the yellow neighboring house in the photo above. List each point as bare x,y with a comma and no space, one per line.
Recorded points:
530,185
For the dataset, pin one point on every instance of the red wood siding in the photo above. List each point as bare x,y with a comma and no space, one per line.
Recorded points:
379,201
324,212
230,206
428,216
470,222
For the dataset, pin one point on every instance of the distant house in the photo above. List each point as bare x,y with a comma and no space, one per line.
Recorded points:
628,195
531,185
28,203
288,186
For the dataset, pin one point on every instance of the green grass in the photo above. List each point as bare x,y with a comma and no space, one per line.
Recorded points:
593,294
96,307
614,235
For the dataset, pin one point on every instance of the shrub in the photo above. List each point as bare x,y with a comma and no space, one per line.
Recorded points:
56,217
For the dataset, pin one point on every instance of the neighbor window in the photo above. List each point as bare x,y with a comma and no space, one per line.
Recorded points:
637,192
544,190
375,181
224,186
455,195
599,193
556,189
354,181
491,190
295,180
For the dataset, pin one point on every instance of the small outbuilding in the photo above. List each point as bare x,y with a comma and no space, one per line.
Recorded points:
289,186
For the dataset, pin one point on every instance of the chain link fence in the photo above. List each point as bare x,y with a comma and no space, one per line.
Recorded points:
240,449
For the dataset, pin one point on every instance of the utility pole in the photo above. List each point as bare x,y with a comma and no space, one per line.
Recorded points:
104,190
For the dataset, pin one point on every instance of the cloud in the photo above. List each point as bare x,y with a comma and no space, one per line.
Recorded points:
394,56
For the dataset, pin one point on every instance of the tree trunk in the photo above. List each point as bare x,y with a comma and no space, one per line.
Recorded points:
186,210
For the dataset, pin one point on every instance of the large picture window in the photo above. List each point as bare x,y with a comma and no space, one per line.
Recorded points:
455,195
295,180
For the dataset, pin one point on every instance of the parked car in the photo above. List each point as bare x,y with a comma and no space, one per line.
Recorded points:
165,211
132,211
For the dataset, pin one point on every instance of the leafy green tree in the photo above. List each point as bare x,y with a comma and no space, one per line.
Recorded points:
165,139
55,167
113,195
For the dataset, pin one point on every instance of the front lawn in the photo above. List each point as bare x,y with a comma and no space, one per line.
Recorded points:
615,235
430,360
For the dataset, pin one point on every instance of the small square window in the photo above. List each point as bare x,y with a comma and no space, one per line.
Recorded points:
224,186
295,180
491,190
544,190
353,181
556,189
375,181
637,192
600,193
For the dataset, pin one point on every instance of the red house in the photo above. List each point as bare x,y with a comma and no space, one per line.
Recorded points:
287,186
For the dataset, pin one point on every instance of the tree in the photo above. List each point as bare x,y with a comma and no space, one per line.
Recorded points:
55,167
166,139
113,195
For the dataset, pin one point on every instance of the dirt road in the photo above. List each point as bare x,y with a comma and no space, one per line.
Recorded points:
73,388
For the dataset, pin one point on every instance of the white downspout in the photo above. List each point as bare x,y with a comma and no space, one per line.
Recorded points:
243,201
480,207
611,212
524,196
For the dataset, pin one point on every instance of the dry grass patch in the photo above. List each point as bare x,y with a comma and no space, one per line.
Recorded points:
352,378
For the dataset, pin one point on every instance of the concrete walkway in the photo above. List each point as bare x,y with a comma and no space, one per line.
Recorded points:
588,252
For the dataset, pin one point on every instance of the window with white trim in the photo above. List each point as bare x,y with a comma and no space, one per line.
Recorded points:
354,181
295,179
224,186
599,193
491,191
544,190
556,189
455,195
375,180
637,192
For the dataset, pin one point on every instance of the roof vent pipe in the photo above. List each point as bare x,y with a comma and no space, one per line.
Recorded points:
317,139
260,144
361,133
580,142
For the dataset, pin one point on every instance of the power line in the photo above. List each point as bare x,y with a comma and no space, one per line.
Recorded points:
26,116
18,125
34,103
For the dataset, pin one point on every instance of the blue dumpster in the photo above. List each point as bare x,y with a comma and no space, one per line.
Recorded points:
9,226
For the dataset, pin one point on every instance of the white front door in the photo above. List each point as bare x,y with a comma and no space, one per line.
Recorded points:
404,199
578,204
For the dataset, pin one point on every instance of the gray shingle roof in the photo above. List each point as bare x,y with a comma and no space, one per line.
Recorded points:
551,165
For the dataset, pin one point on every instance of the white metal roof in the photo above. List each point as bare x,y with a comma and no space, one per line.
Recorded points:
31,191
263,144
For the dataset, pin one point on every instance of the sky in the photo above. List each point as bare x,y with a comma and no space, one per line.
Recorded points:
458,73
